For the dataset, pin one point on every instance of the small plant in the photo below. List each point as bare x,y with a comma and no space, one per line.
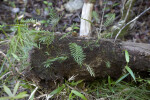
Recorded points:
127,57
46,38
90,70
110,17
1,29
56,91
67,88
13,95
95,16
73,27
77,53
53,16
77,94
49,62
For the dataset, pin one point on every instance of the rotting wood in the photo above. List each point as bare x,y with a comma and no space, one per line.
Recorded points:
98,55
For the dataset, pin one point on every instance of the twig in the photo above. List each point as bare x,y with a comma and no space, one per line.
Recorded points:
131,22
101,21
128,11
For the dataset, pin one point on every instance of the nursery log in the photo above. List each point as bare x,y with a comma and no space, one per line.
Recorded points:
105,58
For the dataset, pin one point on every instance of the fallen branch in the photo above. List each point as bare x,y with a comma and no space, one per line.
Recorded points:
104,57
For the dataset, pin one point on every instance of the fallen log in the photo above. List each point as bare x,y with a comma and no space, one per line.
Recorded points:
105,57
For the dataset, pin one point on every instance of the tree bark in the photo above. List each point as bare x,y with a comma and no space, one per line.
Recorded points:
105,58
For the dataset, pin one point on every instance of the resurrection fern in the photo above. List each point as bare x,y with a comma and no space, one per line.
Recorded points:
77,53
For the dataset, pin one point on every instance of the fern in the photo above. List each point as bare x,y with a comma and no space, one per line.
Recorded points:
90,70
49,62
95,16
110,17
54,18
28,21
47,38
77,53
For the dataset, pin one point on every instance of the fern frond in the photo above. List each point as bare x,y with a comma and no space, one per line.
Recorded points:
49,62
109,20
40,31
47,38
54,17
90,70
77,53
28,21
95,16
18,25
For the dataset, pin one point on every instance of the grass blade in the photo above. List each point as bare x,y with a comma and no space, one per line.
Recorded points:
131,72
121,78
79,94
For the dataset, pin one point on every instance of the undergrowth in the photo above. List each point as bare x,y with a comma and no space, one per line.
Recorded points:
16,60
26,38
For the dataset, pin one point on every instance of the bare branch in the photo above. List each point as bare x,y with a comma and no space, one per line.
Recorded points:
131,22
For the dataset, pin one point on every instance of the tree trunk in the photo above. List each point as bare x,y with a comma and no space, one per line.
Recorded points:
105,58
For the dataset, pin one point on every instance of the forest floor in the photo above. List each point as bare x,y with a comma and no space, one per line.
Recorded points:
53,16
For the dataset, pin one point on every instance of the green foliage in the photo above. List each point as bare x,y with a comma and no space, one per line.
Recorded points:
54,18
47,38
127,57
130,71
21,43
77,94
121,78
32,94
1,29
108,64
74,28
90,70
95,16
13,95
67,89
110,17
49,62
74,83
57,91
127,67
27,21
121,91
77,53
